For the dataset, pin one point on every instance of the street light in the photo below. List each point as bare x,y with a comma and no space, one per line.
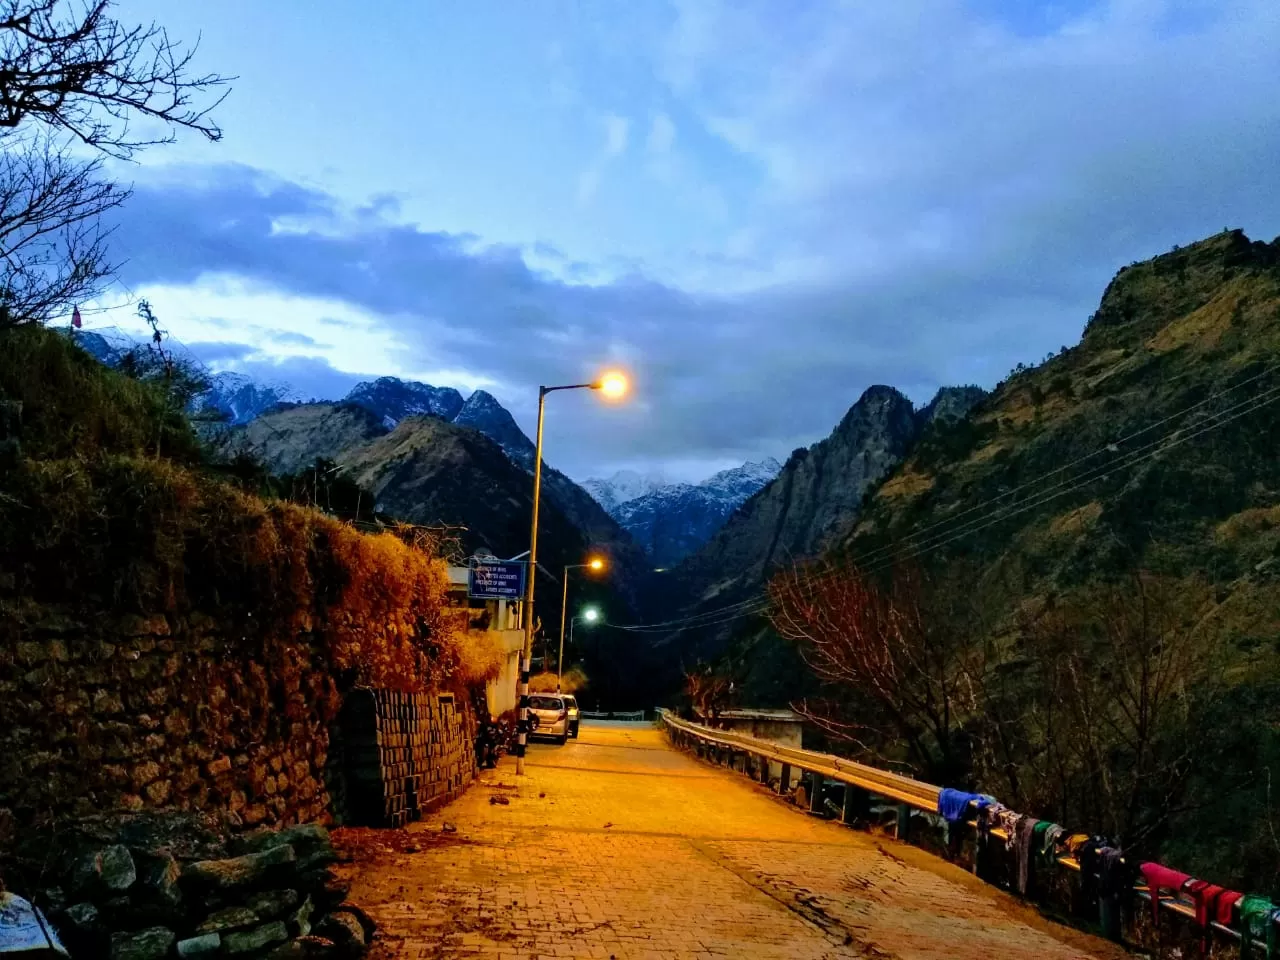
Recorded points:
612,385
590,615
596,564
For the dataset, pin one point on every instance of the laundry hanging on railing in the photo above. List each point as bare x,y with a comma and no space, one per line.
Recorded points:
1257,922
1024,836
1159,878
953,805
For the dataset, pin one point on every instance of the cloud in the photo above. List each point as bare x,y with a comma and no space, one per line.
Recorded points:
935,198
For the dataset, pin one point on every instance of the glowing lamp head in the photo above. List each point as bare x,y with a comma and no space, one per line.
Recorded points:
595,563
591,614
613,385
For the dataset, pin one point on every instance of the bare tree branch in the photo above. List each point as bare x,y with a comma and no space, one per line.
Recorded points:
72,67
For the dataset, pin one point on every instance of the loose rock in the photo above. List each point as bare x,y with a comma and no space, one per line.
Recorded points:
205,945
248,870
271,904
150,944
246,941
231,918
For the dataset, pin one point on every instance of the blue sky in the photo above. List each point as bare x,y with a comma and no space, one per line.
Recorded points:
761,208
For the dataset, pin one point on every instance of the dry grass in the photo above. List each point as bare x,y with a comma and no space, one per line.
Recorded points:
1077,521
574,680
1247,523
907,483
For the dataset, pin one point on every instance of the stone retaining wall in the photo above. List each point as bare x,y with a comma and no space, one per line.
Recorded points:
159,713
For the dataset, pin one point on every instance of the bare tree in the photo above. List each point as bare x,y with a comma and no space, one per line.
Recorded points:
1128,676
899,666
71,73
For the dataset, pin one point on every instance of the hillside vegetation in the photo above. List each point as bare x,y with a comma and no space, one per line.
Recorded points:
95,523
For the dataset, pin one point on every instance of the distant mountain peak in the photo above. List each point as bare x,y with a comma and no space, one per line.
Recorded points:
394,399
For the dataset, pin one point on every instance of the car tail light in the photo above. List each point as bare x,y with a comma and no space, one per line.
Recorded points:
563,714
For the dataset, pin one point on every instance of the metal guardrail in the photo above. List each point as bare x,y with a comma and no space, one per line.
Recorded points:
915,793
907,791
632,716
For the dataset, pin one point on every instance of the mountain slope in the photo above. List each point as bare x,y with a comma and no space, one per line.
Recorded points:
812,501
292,439
1172,347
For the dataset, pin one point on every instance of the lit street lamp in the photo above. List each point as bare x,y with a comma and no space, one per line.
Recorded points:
612,385
596,564
590,615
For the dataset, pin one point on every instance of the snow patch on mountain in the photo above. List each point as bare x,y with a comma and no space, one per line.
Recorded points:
612,492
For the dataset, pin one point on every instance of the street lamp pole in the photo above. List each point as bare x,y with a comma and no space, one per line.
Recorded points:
613,385
595,564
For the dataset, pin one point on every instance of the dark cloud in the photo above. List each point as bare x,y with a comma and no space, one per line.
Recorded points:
293,339
718,377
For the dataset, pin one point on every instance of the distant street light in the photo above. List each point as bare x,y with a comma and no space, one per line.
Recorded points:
596,564
590,615
613,385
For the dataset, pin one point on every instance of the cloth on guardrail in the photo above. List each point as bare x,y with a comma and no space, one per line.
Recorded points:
954,804
1049,842
1024,833
1205,896
1159,878
1257,922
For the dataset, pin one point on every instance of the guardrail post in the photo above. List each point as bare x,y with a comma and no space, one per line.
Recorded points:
857,803
816,781
904,821
784,782
762,773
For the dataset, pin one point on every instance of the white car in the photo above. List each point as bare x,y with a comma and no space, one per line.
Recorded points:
551,714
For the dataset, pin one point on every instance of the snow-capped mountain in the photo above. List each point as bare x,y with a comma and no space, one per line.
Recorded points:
674,520
240,398
393,399
612,492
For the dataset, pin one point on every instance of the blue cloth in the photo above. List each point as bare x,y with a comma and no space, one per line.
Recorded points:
954,804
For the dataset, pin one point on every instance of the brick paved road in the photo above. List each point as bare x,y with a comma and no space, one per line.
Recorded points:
617,846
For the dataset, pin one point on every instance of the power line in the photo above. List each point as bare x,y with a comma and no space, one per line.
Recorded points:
1255,403
873,555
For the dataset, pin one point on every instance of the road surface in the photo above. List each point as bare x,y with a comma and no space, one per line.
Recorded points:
616,845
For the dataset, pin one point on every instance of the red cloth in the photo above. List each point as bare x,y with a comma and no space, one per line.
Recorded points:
1226,907
1161,878
75,317
1205,895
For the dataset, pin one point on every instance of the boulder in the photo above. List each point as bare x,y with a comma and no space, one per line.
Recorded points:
106,870
205,945
345,930
272,904
250,870
317,947
247,941
153,943
230,918
299,921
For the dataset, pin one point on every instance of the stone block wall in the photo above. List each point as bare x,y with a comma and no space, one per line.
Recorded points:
135,713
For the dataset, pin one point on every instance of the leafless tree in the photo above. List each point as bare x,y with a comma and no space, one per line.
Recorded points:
74,69
1128,674
71,74
897,661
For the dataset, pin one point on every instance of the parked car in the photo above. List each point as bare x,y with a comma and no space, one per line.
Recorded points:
551,717
571,703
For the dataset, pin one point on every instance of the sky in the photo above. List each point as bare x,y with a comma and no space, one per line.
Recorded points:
758,209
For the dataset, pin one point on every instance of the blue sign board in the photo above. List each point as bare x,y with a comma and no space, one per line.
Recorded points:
496,580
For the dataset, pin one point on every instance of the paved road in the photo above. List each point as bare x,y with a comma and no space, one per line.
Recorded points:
618,846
